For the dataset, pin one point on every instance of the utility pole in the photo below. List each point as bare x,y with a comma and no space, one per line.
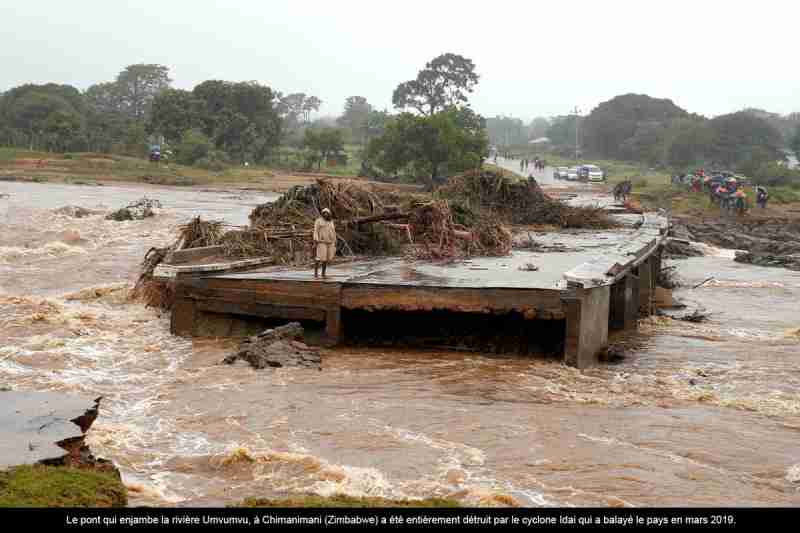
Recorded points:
576,112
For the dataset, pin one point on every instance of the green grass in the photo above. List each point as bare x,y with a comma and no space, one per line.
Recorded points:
340,500
51,486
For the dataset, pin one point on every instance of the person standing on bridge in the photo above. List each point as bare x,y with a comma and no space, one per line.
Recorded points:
324,241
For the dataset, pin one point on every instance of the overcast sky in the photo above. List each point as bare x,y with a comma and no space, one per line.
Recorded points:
534,57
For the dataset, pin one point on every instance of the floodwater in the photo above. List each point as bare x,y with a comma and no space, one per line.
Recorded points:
697,414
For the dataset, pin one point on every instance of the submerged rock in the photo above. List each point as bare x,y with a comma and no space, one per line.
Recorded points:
278,347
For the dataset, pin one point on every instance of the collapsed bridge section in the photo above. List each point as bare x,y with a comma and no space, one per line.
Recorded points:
582,293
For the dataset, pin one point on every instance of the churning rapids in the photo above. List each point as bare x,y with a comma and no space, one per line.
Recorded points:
698,414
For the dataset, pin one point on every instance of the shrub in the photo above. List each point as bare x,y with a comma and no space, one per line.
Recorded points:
193,147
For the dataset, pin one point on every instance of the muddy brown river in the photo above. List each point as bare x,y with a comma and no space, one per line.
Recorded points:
697,414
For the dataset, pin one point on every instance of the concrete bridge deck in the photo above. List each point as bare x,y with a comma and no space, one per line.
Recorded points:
593,280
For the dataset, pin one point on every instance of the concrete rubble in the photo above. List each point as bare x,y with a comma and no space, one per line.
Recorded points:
278,347
47,428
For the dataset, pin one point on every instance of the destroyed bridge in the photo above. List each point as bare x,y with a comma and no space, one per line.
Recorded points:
579,285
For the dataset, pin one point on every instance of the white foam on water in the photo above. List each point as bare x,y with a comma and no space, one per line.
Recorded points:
713,251
10,254
793,474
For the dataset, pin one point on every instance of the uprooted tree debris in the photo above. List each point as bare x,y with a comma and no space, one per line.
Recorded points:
138,210
469,216
278,347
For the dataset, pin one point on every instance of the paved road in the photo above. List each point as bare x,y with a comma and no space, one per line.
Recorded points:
578,193
544,177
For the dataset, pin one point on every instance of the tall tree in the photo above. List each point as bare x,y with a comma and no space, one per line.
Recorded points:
618,120
795,143
444,82
538,127
174,111
62,130
323,143
356,117
138,85
239,118
743,137
430,146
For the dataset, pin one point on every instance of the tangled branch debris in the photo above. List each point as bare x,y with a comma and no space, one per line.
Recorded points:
153,292
138,210
517,202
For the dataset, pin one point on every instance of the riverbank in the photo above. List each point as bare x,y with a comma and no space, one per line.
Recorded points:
103,169
52,486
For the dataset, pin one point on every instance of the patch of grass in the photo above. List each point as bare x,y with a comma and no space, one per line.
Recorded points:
53,486
784,195
340,500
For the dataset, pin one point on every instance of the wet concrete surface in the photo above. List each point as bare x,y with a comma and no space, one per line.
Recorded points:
32,423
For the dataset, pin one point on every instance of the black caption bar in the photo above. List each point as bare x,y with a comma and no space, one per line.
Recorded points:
520,519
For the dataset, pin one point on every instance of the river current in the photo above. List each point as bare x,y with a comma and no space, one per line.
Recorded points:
697,414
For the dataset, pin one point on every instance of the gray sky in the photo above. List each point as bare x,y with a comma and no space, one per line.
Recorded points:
534,58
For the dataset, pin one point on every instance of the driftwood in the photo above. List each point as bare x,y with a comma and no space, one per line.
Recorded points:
703,283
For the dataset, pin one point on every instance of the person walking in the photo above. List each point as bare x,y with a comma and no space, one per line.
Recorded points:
324,241
762,196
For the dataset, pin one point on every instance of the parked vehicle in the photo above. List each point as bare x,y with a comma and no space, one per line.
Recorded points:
560,173
591,173
572,174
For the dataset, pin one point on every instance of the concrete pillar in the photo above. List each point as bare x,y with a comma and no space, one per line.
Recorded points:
624,311
182,319
646,287
587,325
333,325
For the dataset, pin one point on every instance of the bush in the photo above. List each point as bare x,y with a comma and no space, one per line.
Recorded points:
68,156
193,147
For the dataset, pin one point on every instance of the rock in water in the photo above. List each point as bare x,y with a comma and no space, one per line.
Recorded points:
278,347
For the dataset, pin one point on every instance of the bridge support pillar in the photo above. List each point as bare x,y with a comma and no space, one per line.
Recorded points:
624,311
587,325
646,286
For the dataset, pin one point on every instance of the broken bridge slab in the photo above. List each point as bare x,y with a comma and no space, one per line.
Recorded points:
33,423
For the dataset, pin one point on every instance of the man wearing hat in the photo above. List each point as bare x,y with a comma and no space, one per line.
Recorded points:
324,241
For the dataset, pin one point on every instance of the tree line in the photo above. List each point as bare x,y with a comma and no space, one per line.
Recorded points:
656,132
221,122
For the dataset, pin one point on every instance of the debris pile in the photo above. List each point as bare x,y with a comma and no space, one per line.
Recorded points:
153,292
138,210
278,347
519,202
371,222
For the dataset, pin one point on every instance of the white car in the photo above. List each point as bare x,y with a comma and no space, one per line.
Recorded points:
572,174
561,173
593,173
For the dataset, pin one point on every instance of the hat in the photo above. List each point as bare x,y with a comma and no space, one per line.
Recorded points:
326,210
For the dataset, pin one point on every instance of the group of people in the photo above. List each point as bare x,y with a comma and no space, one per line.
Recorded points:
538,164
723,189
